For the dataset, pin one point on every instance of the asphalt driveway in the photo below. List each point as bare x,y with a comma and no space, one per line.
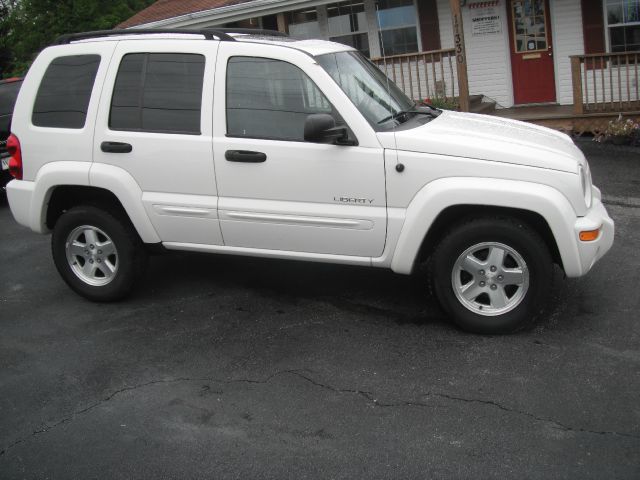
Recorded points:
224,367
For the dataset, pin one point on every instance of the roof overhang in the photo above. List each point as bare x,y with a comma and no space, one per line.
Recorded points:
232,13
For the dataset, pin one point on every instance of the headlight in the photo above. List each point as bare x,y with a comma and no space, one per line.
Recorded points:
585,183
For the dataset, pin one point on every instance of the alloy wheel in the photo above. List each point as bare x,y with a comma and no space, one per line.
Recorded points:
92,255
490,278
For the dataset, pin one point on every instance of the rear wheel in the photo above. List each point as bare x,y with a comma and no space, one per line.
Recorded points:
97,253
492,275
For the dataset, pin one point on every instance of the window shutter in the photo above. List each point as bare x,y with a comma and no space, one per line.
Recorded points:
429,26
593,26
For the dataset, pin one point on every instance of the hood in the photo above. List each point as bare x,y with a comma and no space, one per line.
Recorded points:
486,137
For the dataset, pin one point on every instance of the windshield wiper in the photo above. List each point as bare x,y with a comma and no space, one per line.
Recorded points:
432,111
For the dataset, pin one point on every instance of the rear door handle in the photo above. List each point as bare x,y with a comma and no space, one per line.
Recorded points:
116,147
245,156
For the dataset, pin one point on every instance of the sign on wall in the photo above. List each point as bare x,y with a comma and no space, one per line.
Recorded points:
485,18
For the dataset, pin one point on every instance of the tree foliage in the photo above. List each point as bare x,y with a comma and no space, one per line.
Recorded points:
27,26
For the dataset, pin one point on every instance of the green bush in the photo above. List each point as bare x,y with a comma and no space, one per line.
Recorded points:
27,26
444,103
621,131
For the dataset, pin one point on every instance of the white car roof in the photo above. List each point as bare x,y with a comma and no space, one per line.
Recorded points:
311,47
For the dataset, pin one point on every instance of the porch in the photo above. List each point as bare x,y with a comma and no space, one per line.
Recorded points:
431,76
604,86
606,82
565,119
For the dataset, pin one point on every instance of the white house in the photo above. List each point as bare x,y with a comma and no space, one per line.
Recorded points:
519,52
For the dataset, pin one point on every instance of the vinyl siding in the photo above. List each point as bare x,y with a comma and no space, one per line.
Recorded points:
488,56
566,25
488,62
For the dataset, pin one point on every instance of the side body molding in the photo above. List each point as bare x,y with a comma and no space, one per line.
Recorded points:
122,185
440,194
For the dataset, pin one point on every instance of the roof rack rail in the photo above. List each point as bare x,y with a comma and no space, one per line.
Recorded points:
245,31
221,34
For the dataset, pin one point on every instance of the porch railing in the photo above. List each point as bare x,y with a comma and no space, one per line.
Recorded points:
606,82
424,74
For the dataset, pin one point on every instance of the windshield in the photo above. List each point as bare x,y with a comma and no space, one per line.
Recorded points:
377,97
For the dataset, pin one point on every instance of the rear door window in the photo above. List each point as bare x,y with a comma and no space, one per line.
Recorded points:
63,98
158,92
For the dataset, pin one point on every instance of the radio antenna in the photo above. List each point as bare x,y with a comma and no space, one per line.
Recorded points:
399,166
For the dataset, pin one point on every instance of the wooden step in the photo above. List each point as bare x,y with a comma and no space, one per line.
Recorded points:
486,108
475,99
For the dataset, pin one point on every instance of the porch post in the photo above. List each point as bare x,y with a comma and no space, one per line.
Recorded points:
282,23
372,27
323,21
461,55
576,79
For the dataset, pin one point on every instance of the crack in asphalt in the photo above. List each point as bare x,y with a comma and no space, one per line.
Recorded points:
94,405
368,396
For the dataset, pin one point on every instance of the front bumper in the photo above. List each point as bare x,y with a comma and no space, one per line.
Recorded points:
590,252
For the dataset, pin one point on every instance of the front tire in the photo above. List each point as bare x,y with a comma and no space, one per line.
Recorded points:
492,275
97,253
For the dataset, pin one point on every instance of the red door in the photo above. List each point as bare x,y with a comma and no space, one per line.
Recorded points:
531,51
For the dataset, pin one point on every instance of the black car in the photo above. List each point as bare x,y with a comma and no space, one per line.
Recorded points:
8,93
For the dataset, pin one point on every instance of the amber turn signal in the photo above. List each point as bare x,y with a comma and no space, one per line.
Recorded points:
589,235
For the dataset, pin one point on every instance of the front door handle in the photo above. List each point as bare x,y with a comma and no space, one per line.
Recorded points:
116,147
245,156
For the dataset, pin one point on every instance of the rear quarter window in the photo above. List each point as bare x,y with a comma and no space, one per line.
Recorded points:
65,91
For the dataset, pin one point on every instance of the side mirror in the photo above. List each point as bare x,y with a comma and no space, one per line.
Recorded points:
321,128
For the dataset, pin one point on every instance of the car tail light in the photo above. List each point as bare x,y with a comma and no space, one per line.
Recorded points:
15,162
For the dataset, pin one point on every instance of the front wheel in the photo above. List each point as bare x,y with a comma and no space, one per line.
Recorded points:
492,275
97,253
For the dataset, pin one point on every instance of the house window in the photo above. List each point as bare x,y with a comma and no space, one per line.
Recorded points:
623,21
398,28
348,25
303,24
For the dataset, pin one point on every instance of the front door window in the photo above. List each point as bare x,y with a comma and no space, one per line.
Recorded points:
271,99
530,25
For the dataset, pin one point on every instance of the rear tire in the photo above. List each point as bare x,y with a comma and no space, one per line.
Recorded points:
492,275
97,253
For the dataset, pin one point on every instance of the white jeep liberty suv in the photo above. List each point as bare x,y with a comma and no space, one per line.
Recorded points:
251,143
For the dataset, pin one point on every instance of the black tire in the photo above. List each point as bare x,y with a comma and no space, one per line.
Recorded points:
131,257
516,235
